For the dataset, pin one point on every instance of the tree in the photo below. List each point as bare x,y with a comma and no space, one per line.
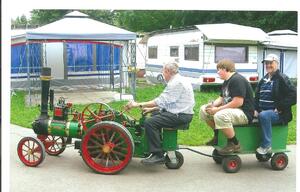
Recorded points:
152,20
20,22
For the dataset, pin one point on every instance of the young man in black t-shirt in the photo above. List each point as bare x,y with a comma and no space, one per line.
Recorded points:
234,106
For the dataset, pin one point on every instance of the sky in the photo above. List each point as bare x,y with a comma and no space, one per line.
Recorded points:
19,11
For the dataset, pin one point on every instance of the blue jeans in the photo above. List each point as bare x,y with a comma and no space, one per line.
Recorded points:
266,119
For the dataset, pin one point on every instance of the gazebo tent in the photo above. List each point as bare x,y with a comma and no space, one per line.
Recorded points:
81,50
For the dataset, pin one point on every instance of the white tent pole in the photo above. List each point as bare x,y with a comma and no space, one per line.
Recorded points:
45,54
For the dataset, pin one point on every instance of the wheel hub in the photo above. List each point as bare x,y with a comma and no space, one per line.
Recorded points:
232,164
108,147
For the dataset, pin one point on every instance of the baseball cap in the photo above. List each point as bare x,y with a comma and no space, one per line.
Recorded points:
271,57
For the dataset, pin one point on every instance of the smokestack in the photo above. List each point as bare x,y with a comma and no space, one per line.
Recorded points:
40,125
45,84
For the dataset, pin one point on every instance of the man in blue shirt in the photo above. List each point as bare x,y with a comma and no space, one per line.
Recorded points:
175,106
274,97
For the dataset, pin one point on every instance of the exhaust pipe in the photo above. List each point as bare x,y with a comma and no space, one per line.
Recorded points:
45,84
40,125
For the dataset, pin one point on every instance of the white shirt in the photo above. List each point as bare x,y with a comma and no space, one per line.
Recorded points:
177,97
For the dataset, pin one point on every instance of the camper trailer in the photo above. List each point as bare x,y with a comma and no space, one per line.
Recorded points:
198,49
283,43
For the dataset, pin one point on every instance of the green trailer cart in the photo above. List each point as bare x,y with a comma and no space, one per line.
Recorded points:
250,138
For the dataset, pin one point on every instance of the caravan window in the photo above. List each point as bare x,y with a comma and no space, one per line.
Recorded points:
238,54
174,51
191,52
152,52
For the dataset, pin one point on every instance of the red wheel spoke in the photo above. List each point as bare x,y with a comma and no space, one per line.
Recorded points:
53,147
107,160
121,148
112,136
104,116
93,147
35,156
26,146
88,121
100,109
58,146
33,148
112,160
118,144
57,139
95,152
103,138
99,155
96,142
119,153
25,150
91,112
116,156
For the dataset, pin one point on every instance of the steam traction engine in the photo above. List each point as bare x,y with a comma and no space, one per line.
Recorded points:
107,139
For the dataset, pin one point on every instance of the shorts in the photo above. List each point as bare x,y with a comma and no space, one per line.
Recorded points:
225,118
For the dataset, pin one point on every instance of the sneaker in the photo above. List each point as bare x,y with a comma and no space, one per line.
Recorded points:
264,151
230,148
212,142
153,159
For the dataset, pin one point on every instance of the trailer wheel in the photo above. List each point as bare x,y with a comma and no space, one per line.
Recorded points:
279,161
216,156
107,147
231,164
179,161
54,145
31,151
94,113
263,158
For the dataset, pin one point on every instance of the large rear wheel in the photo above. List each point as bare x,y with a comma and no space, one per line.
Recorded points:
107,147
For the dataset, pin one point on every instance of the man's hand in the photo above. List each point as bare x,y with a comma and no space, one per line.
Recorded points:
130,105
149,109
211,110
256,114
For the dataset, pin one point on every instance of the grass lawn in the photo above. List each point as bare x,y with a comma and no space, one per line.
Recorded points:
197,134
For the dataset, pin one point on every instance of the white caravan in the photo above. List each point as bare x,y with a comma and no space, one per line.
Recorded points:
198,49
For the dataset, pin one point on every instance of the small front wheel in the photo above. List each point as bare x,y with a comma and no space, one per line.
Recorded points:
175,163
31,151
231,164
54,145
279,161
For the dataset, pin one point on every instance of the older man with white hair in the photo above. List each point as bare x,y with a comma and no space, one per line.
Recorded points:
175,106
274,97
